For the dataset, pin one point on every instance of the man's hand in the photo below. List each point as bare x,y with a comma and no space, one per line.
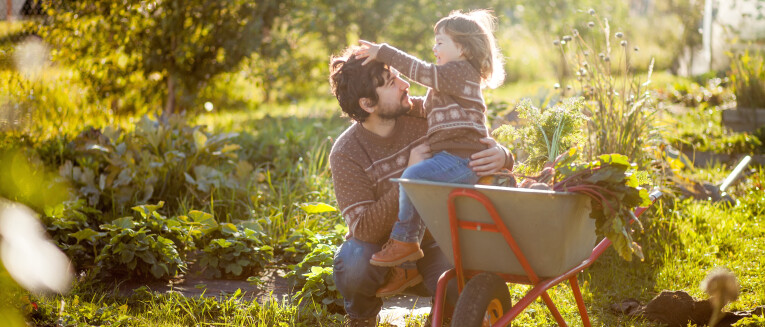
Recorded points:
368,50
488,161
419,153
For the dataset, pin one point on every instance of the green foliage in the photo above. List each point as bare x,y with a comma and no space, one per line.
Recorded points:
84,313
549,131
235,251
114,169
691,94
130,46
610,183
618,104
144,246
747,78
314,273
25,179
728,144
72,225
751,321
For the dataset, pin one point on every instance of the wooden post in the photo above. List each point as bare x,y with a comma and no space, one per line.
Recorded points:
8,9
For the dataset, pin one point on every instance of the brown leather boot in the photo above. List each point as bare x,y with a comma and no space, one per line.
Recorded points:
399,279
395,253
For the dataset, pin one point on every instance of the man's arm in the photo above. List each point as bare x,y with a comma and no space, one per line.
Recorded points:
369,219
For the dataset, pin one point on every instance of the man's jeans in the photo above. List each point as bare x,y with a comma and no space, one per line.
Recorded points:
357,280
442,167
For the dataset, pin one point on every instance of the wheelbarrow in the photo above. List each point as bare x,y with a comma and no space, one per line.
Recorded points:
500,235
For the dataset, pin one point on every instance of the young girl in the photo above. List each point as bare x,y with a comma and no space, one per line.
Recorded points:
467,59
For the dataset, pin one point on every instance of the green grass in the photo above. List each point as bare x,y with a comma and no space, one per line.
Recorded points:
683,240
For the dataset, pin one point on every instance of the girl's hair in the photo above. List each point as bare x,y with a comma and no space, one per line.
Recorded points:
472,31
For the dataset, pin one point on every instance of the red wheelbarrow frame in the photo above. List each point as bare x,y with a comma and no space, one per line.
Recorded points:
540,286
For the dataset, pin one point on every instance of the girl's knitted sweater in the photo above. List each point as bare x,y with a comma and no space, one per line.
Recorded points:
454,103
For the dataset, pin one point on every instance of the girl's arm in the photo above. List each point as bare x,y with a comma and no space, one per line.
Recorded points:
456,78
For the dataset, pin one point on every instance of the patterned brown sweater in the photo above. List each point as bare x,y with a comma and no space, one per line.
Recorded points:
454,103
362,165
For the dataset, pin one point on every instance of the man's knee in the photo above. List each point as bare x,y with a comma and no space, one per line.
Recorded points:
352,270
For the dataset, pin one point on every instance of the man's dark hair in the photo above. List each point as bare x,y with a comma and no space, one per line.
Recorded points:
350,81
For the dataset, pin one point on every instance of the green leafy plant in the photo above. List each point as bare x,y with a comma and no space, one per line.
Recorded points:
146,246
113,169
144,253
314,273
747,78
614,189
548,132
72,225
235,251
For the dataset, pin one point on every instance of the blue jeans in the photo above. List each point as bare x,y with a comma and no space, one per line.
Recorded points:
442,167
358,280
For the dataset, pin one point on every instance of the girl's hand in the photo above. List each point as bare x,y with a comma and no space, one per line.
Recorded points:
368,50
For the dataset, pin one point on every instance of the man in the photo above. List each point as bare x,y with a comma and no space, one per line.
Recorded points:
389,134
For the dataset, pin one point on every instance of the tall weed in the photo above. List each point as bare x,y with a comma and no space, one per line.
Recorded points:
618,104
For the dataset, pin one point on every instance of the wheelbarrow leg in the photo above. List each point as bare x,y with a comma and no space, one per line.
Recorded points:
440,298
553,310
579,301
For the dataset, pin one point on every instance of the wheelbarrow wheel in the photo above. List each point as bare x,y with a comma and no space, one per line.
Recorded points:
483,301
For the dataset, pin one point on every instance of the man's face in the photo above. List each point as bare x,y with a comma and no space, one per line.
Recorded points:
393,96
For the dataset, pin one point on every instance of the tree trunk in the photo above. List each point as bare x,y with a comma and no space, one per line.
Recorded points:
170,103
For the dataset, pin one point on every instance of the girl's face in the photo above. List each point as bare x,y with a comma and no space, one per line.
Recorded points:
446,50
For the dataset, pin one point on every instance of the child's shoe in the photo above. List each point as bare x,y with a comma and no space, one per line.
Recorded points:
395,253
399,280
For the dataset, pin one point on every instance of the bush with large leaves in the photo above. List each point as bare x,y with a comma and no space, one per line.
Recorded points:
114,169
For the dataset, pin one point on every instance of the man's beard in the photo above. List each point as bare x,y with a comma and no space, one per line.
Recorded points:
390,113
393,114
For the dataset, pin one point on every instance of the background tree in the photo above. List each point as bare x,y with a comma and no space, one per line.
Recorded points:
174,46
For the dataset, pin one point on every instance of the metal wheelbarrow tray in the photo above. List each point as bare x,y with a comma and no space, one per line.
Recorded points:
535,237
553,229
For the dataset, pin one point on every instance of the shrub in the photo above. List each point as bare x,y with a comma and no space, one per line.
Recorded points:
747,78
114,169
